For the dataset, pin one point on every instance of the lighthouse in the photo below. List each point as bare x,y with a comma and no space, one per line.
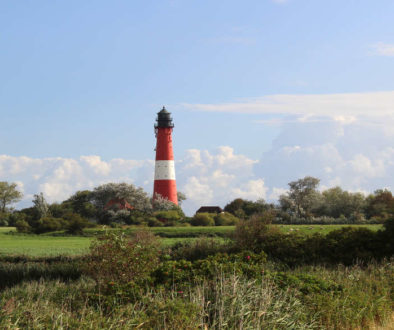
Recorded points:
165,184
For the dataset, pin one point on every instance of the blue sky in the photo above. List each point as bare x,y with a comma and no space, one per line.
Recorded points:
292,88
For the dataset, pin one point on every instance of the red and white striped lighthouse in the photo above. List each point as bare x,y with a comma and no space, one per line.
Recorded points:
165,184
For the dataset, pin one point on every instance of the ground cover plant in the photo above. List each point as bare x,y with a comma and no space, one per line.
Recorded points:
131,280
62,243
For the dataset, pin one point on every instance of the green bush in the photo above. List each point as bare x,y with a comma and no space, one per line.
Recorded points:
48,224
75,223
22,226
225,219
153,222
198,249
252,234
203,219
121,260
171,215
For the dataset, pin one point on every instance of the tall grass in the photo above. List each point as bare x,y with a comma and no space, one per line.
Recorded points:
228,301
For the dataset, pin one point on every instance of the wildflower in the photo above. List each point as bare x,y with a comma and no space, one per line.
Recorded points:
248,257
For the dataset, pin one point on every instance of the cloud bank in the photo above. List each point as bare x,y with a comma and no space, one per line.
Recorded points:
206,178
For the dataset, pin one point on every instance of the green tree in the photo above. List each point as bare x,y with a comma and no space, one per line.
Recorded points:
302,197
243,208
9,194
81,203
336,202
380,205
135,196
181,197
41,205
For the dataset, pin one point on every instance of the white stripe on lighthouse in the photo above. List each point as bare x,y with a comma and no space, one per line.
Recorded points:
164,170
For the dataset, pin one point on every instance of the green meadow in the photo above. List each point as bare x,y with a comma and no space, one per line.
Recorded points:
52,244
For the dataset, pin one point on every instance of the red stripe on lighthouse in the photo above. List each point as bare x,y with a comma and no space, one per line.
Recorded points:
165,183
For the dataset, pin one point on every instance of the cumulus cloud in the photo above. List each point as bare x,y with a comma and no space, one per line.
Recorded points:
344,139
357,157
205,177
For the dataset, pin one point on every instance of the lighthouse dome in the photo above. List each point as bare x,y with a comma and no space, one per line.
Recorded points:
164,119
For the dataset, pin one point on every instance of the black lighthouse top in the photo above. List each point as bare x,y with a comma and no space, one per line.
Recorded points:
164,119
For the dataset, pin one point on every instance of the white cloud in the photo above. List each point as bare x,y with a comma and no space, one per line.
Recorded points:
383,49
253,189
205,177
346,107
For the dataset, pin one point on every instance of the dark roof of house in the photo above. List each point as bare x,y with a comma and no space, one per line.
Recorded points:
209,209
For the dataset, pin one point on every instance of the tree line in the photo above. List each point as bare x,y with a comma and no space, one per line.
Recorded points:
116,204
304,203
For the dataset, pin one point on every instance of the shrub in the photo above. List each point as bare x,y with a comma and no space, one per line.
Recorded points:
250,234
225,219
203,219
22,226
198,249
170,215
116,258
75,223
48,224
153,222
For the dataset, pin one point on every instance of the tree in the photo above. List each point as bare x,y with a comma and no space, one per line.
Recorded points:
337,202
181,197
243,208
160,203
380,205
105,193
8,195
81,203
41,205
302,197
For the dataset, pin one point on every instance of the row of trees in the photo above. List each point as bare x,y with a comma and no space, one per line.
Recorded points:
304,203
103,205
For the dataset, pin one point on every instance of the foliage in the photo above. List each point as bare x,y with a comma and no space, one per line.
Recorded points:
41,205
75,223
198,249
225,219
243,208
250,234
135,196
301,197
48,224
81,204
123,260
203,219
160,203
26,269
380,205
181,197
9,194
4,219
22,226
167,216
336,202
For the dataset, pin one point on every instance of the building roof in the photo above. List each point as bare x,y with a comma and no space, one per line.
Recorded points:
121,203
210,209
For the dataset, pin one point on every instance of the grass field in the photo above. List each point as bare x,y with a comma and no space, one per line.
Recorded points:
51,245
